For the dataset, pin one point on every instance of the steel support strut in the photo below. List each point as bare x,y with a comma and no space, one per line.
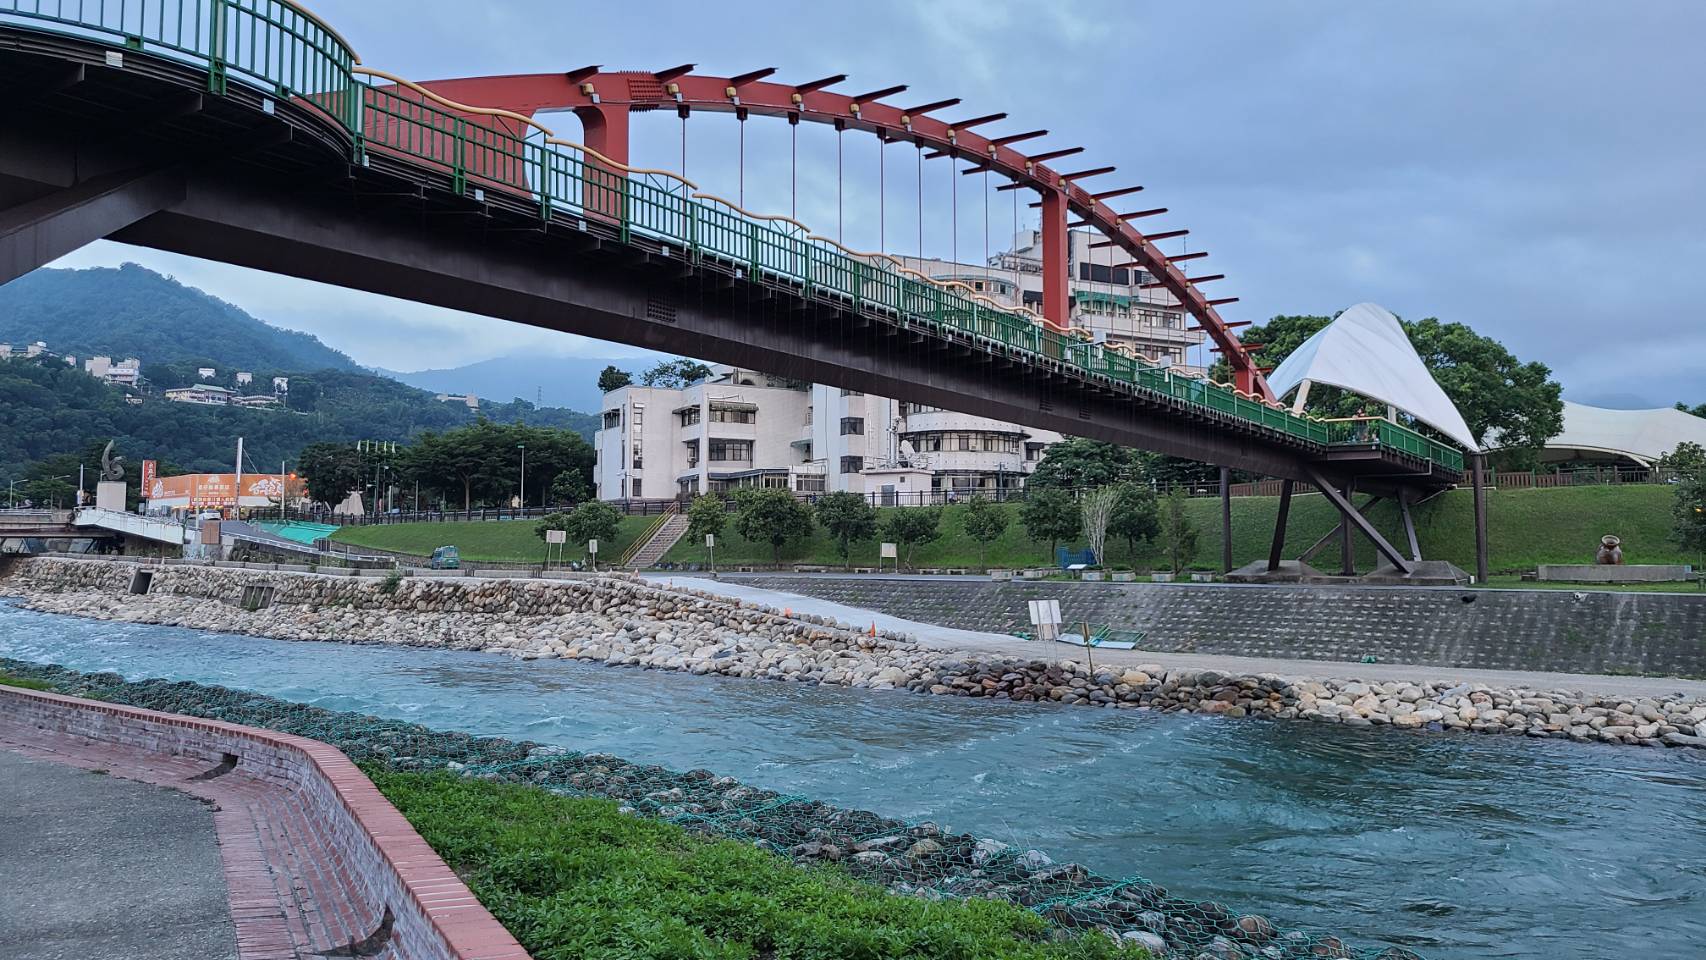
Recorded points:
1225,519
1348,512
40,231
1278,548
1478,464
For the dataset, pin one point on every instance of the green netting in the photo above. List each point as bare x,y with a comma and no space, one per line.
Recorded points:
918,858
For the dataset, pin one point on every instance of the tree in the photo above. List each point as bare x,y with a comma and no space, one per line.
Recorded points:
1686,458
706,516
304,394
1097,508
1080,462
611,378
984,521
1181,532
570,488
1698,410
849,518
1136,517
771,515
331,471
674,374
593,520
549,522
1050,514
1689,511
910,526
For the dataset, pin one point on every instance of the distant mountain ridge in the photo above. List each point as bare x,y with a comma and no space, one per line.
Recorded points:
131,311
547,380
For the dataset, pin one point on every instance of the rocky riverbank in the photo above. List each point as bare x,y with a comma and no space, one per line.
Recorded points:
622,621
916,858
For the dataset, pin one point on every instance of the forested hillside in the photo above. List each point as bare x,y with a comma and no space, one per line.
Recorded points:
131,311
49,408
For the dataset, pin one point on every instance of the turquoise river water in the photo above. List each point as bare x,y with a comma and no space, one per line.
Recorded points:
1454,846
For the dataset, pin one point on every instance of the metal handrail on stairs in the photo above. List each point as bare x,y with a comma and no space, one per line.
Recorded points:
647,534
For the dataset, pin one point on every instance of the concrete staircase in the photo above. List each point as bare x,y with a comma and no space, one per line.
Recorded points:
653,549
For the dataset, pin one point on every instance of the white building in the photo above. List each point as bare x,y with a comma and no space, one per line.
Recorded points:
280,385
206,373
742,428
1108,298
200,393
466,399
124,373
244,378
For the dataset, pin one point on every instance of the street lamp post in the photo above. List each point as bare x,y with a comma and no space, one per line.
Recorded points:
11,501
523,448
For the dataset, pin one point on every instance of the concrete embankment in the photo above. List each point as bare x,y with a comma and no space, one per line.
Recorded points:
1558,631
622,621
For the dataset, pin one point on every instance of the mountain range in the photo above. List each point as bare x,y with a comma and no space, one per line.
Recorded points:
542,380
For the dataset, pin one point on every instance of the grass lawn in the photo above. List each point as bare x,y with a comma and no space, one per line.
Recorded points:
573,879
494,541
1526,528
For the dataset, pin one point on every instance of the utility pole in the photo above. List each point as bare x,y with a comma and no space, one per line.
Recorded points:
523,448
237,494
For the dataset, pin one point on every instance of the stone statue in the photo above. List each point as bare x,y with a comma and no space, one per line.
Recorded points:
112,468
1610,551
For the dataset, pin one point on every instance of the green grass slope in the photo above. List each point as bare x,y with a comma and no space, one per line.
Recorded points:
497,541
1526,527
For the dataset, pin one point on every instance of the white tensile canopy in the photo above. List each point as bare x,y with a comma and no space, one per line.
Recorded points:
1596,433
1366,352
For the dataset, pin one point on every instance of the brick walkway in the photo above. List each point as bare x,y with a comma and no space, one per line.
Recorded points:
290,897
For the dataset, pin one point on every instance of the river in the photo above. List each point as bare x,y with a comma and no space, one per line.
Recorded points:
1455,846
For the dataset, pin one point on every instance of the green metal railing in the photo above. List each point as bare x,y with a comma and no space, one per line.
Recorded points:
278,48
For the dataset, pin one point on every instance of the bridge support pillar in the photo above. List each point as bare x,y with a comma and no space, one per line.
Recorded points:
39,231
1225,519
1277,551
1478,468
1057,260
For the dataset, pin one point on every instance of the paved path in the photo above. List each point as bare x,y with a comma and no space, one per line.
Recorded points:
951,639
94,866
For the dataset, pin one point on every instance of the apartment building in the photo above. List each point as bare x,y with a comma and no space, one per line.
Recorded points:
744,428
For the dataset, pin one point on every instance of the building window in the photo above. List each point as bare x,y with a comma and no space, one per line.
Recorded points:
692,452
726,451
689,416
852,464
639,417
809,484
733,416
612,418
639,456
851,393
852,425
808,414
636,483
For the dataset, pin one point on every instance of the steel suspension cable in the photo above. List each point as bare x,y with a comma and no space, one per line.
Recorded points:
839,137
954,201
882,194
794,167
986,226
742,121
921,205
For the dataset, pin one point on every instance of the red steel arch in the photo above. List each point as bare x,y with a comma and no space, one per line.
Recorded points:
603,100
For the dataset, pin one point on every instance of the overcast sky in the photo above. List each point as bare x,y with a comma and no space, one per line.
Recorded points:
1536,170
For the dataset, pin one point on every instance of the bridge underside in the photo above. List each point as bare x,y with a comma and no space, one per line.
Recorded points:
141,156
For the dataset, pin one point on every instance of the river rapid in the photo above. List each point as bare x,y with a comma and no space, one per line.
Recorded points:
1454,846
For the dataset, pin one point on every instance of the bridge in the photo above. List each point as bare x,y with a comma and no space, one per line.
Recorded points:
250,132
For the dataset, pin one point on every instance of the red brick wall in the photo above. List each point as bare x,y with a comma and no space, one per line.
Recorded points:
373,847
